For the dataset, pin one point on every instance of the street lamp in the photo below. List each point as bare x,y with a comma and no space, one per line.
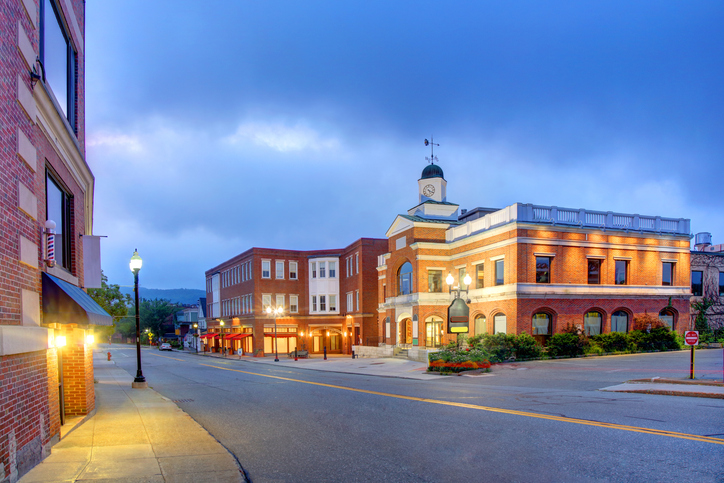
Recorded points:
277,311
450,281
135,265
196,326
221,337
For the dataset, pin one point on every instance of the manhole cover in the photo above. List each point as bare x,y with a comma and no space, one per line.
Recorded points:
183,400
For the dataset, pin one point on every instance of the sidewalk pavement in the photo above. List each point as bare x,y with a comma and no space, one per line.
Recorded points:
672,387
136,435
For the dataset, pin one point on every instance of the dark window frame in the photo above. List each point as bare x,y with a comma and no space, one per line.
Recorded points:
667,267
697,288
721,284
404,278
500,272
617,271
594,276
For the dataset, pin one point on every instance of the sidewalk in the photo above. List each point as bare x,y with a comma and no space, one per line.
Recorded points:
136,435
672,387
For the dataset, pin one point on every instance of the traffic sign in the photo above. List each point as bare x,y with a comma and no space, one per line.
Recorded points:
691,337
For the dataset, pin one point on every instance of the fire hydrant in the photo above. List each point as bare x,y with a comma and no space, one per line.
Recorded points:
109,355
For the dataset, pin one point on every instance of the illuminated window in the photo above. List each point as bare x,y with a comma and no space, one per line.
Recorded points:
479,275
592,323
541,324
481,326
434,280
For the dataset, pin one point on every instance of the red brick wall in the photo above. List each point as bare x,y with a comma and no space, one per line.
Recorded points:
24,406
78,380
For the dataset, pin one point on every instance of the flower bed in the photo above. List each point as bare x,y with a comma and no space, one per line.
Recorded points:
442,366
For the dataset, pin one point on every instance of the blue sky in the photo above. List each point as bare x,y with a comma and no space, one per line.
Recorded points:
216,126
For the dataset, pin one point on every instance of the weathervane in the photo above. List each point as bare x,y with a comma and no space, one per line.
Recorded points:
432,158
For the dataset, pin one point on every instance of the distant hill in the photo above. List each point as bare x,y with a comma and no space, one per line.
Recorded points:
185,296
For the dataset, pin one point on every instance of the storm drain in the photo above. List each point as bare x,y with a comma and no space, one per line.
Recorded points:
183,400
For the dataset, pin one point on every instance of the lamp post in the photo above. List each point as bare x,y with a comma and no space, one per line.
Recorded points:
221,338
277,311
135,265
196,326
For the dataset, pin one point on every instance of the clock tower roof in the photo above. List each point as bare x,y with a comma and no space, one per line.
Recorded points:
432,171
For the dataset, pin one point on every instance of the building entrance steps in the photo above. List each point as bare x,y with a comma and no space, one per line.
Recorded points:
135,435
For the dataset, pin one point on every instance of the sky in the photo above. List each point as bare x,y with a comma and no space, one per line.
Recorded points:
217,126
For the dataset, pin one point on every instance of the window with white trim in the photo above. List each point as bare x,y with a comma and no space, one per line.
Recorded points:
314,303
332,303
294,304
292,270
356,294
350,302
322,269
314,269
322,303
356,263
332,270
280,301
279,269
265,301
266,269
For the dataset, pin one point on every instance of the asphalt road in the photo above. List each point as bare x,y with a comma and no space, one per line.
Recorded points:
535,421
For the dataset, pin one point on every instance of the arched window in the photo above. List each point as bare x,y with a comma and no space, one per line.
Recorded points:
500,323
667,317
481,325
541,324
592,323
405,279
619,321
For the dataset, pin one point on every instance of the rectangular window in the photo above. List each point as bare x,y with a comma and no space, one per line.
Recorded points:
294,304
280,301
332,303
58,58
332,269
356,263
349,264
292,270
461,278
542,270
322,269
265,269
499,272
721,283
594,271
322,303
434,280
667,275
350,306
621,272
314,269
480,275
356,295
314,303
58,209
280,269
696,283
265,301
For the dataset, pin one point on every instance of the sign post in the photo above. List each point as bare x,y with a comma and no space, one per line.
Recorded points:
691,338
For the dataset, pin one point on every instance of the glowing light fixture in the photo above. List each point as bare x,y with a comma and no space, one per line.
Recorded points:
60,341
449,279
89,339
467,280
136,262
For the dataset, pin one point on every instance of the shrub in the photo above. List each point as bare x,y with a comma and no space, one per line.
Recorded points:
526,347
647,322
500,346
566,344
610,342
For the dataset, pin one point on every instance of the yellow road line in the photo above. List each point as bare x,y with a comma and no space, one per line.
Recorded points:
621,427
167,357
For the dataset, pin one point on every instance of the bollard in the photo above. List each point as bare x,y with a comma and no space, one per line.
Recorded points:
109,355
352,354
325,352
295,355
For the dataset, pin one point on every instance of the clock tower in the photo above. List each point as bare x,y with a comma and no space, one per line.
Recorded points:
432,184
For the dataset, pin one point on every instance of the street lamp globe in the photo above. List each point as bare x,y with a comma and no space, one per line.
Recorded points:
467,280
136,262
450,280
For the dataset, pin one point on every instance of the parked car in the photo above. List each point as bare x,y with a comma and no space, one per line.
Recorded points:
164,347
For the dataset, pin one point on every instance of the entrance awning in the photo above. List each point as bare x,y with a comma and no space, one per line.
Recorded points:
64,303
281,334
237,336
209,336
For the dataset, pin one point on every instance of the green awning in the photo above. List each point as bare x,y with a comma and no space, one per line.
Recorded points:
64,303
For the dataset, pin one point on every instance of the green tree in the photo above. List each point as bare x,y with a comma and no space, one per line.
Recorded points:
154,313
113,301
701,323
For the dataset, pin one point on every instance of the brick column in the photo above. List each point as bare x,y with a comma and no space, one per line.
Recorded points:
78,374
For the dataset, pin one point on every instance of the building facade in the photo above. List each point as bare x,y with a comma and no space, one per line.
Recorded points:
328,300
534,269
49,255
707,279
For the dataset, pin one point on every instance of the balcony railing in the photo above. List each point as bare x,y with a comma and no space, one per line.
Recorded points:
553,215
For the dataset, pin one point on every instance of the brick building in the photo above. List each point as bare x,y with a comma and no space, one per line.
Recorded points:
46,370
707,278
532,268
328,297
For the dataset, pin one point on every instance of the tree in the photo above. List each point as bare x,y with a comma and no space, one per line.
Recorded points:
113,301
155,313
701,307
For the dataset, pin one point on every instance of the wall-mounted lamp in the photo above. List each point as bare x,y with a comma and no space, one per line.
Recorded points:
60,341
34,76
90,339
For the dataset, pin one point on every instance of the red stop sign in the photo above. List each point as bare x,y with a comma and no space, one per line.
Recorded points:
691,337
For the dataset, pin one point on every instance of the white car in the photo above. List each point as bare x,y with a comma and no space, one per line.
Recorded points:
164,347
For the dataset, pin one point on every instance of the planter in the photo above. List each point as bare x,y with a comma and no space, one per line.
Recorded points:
441,366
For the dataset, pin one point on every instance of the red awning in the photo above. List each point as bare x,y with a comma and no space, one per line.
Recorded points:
237,336
209,336
281,334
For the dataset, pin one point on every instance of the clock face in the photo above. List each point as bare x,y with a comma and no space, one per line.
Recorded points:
428,190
